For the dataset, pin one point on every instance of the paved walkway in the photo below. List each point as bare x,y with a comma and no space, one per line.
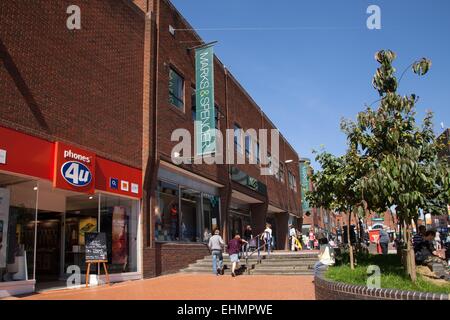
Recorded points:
194,287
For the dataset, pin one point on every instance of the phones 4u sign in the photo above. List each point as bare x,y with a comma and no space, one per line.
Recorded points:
74,169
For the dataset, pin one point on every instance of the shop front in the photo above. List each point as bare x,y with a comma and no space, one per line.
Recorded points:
51,194
187,207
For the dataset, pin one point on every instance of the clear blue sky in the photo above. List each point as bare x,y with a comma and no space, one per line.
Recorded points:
312,62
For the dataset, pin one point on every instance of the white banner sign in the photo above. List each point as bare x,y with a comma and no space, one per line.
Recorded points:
4,215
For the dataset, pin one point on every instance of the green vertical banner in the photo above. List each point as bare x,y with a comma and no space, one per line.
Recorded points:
304,181
205,122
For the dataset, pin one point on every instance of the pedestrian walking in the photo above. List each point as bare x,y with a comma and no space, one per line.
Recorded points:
293,237
305,241
234,248
216,245
326,256
312,237
267,237
384,241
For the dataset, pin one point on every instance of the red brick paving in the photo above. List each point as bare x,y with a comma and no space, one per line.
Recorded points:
194,287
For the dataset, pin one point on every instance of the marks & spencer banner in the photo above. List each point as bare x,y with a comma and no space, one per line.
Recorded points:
304,181
205,125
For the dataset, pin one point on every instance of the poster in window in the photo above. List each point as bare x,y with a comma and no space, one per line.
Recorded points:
119,236
4,215
86,225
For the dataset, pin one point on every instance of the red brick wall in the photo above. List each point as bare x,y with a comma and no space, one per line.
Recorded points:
175,256
79,86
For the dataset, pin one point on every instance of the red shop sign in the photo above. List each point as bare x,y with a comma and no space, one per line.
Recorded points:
74,169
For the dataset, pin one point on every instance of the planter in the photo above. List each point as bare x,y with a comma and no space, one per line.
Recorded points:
331,290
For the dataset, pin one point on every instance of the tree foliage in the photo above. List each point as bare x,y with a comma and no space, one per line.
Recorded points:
391,160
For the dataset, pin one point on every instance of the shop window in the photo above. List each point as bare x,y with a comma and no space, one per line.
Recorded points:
167,214
81,217
17,228
184,214
190,215
119,220
211,215
176,89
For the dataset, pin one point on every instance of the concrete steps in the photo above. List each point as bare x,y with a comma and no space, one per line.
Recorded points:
278,263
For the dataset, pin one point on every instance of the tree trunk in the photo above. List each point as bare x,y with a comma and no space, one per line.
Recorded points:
350,247
409,257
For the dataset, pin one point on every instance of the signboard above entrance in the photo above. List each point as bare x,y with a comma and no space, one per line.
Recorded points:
74,169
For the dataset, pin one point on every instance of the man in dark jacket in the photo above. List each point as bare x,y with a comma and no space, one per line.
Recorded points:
384,241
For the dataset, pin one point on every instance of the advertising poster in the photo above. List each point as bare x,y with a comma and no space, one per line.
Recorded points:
4,215
86,225
119,236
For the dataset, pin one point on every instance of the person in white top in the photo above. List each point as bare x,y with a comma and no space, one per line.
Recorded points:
326,256
267,236
437,240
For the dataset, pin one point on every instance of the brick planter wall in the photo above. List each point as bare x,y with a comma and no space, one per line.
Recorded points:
331,290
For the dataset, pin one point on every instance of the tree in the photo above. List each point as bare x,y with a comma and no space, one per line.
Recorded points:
399,159
336,186
390,161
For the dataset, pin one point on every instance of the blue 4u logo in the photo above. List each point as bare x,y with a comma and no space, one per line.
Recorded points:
76,173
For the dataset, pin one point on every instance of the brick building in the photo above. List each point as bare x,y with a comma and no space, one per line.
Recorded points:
86,120
197,198
70,139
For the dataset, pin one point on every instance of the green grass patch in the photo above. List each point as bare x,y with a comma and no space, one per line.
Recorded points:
393,275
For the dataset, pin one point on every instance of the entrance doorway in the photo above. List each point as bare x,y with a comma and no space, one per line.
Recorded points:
237,223
48,246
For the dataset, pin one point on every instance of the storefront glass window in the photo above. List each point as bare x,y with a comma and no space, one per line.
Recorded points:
81,217
119,221
211,215
186,215
17,228
167,215
190,215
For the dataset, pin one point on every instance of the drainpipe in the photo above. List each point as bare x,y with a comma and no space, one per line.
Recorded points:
228,166
151,166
